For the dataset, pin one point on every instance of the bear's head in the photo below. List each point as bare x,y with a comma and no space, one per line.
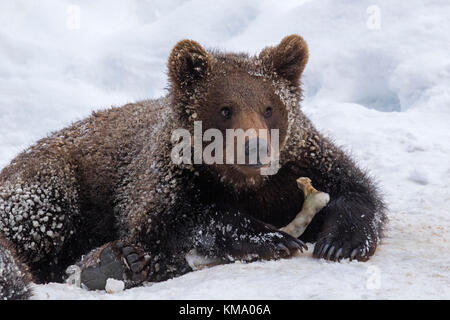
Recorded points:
216,93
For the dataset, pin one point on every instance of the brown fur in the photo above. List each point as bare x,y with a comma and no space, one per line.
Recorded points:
288,59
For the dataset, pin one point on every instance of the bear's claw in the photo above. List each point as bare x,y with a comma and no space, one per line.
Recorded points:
278,245
338,255
338,252
302,245
290,247
284,247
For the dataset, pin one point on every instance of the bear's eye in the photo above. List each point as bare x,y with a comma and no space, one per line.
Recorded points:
225,112
268,112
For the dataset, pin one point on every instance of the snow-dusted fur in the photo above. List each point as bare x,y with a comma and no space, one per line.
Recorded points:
111,177
14,276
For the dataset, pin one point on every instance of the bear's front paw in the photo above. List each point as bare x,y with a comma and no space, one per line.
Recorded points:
117,260
335,245
265,246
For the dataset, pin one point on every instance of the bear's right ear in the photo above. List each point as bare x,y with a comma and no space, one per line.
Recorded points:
188,63
288,59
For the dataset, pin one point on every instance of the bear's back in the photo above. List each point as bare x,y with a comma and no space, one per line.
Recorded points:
96,147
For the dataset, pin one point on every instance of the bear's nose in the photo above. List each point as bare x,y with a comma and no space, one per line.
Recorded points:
256,150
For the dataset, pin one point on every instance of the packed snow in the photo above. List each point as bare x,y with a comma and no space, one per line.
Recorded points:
378,82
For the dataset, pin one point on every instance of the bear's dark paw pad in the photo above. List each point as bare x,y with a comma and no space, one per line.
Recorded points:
109,266
118,261
135,261
337,250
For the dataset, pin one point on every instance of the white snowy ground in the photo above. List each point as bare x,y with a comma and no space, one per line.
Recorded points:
378,82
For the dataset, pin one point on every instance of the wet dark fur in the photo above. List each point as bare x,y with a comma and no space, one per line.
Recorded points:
111,177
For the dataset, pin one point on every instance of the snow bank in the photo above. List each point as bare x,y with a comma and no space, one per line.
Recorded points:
377,81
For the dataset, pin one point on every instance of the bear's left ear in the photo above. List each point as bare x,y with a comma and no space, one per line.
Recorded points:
188,63
288,59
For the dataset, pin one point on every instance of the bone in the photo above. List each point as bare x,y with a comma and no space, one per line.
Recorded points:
314,201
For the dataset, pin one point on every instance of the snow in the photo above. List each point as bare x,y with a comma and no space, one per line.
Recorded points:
377,81
114,286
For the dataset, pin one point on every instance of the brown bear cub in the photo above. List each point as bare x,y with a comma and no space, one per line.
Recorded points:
107,186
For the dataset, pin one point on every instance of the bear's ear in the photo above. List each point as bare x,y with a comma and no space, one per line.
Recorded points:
188,63
288,59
